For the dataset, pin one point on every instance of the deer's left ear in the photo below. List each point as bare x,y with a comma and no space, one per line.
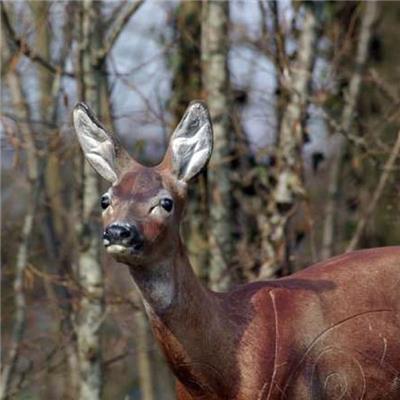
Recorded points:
191,144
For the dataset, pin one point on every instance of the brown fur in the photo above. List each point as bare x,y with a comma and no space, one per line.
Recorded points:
328,332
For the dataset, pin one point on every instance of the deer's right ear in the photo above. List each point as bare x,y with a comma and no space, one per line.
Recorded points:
98,146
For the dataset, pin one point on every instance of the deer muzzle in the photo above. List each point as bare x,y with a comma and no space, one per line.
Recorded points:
122,238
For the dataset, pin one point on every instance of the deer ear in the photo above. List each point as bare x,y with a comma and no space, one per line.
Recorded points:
102,151
191,144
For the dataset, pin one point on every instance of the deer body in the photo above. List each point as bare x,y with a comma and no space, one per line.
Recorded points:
331,331
282,339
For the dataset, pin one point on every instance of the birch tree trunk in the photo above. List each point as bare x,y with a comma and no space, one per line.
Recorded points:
90,274
289,164
94,47
280,61
351,97
215,46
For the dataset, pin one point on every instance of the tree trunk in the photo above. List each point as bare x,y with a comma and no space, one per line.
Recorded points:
145,360
90,274
289,164
215,46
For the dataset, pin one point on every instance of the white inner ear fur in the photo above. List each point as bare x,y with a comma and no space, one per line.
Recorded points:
96,145
191,153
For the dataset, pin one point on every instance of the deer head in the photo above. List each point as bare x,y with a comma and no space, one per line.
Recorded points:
143,208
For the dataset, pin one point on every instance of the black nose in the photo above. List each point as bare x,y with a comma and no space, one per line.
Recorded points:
123,234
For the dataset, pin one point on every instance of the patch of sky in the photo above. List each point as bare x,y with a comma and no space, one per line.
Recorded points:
140,79
251,70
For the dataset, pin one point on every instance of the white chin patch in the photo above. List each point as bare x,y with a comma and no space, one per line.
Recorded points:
118,249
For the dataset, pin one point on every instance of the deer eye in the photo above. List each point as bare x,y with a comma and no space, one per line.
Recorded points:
166,204
105,201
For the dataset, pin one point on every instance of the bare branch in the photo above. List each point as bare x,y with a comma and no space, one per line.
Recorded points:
24,47
115,12
344,127
376,196
361,57
118,26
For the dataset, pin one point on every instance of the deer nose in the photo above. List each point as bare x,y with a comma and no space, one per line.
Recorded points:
122,234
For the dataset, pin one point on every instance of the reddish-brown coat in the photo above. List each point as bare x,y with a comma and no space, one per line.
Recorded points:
330,331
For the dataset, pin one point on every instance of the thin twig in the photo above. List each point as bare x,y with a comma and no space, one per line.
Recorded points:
24,47
343,128
118,26
376,196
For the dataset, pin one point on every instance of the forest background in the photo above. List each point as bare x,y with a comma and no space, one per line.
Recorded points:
305,103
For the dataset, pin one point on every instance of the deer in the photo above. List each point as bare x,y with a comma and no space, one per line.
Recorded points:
329,331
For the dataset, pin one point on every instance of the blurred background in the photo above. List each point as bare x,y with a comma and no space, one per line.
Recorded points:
305,102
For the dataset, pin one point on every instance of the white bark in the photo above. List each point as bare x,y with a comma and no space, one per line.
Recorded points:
289,186
144,358
90,273
215,44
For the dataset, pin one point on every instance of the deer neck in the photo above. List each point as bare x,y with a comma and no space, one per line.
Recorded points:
169,285
189,323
